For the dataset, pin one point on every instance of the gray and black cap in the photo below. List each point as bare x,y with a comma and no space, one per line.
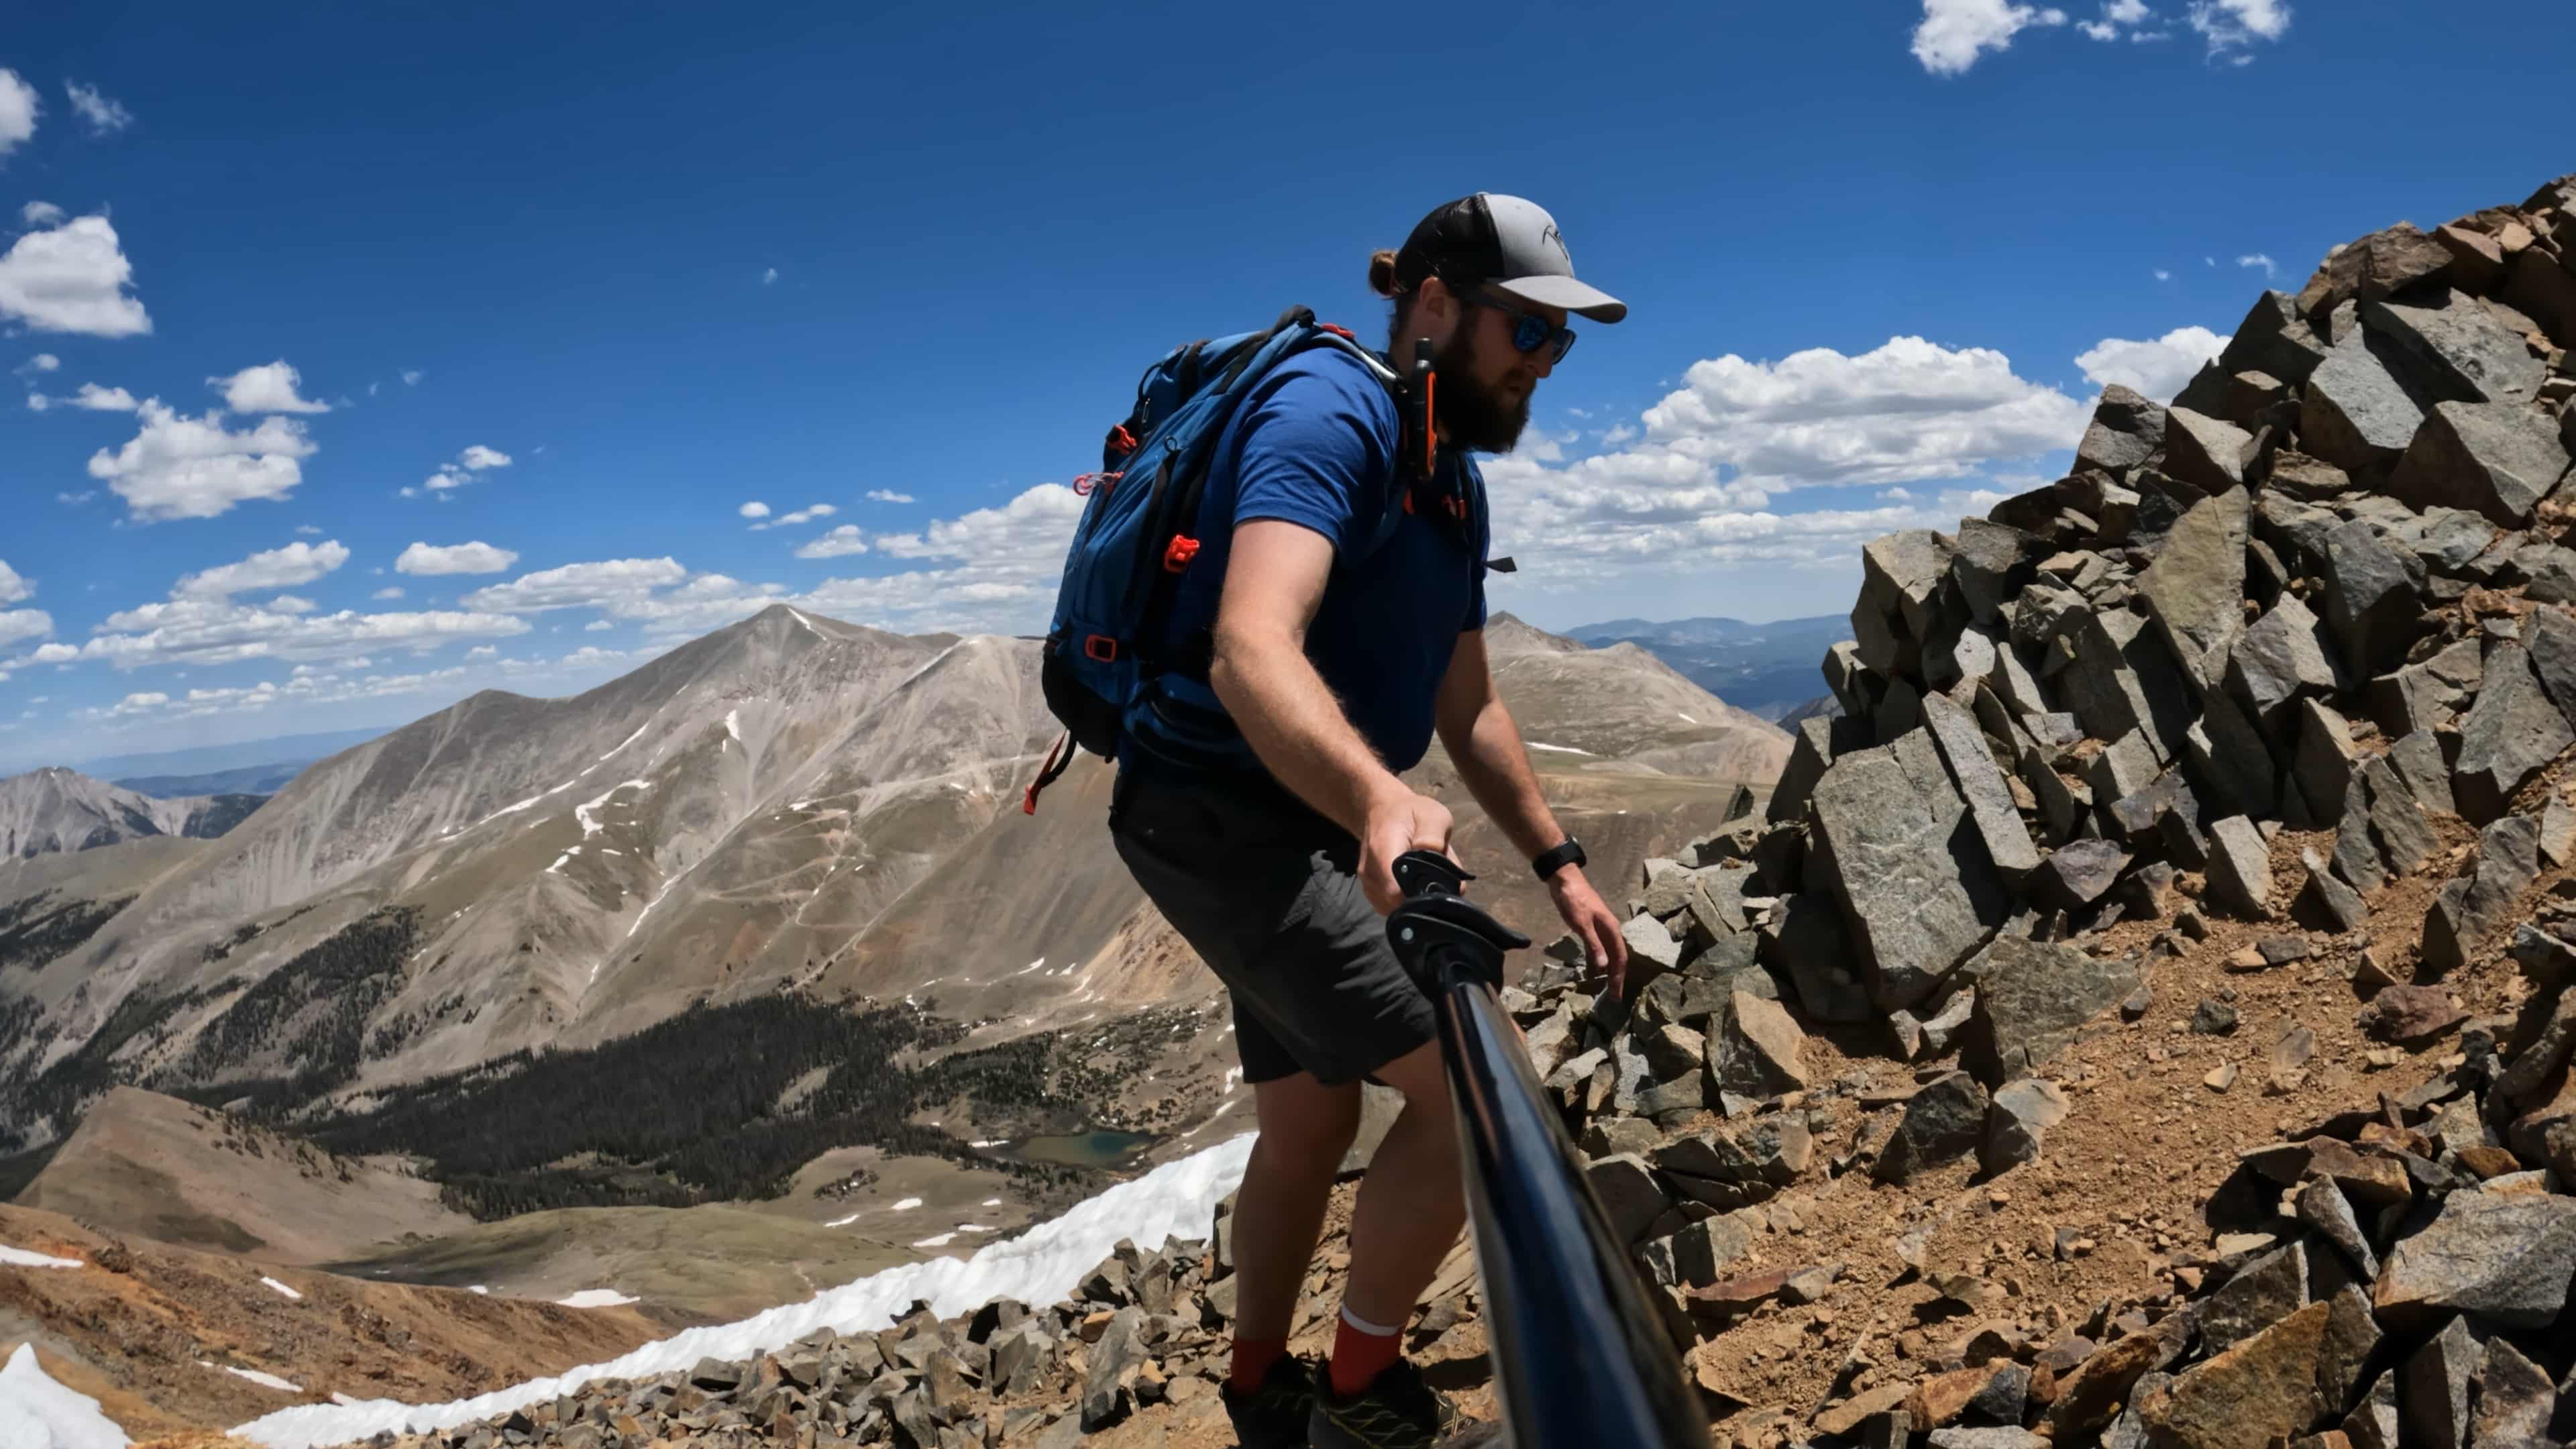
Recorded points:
1504,243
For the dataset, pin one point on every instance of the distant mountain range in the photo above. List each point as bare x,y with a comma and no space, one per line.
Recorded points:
1771,670
54,809
265,779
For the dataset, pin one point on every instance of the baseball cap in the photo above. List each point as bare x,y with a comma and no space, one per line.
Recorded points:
1505,243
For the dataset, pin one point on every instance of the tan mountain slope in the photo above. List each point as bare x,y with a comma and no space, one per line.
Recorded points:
192,1177
54,809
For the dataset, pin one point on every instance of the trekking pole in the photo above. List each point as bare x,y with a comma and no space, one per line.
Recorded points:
1581,1356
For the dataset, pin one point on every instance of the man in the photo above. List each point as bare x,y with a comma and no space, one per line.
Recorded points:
1336,657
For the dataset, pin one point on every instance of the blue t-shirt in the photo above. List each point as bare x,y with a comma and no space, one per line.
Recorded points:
1315,443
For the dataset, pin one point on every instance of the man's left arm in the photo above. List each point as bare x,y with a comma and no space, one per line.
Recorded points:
1485,744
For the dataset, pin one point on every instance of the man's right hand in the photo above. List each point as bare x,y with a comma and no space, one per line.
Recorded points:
1398,821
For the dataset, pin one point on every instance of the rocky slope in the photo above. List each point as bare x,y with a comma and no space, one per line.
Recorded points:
2141,1018
55,809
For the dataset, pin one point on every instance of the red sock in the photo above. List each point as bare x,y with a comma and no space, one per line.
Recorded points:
1252,1360
1360,1355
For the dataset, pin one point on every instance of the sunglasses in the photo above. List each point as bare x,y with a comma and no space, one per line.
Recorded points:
1530,331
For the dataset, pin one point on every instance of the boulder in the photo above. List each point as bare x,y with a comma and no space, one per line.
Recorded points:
2417,759
2470,908
2118,676
1917,887
2322,1206
2552,632
2361,408
1115,1362
2326,759
1627,1193
2328,901
2206,452
2410,1015
2127,429
2506,1257
1650,943
2406,840
2195,590
1814,745
1768,1152
2268,1389
1756,1049
2508,736
2017,1122
2515,1399
2262,1293
2457,346
2078,873
2373,1423
2275,339
1980,782
1804,943
2240,868
2281,659
1943,1122
2440,1378
2032,998
2496,459
2370,592
1990,565
2229,761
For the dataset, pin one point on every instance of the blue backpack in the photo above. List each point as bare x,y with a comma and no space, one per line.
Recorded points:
1135,539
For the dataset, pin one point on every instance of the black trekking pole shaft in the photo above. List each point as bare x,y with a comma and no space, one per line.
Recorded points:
1581,1356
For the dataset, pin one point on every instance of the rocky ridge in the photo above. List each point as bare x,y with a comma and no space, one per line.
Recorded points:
55,809
2268,702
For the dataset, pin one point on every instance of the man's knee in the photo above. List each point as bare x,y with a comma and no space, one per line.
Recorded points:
1308,1133
1420,1076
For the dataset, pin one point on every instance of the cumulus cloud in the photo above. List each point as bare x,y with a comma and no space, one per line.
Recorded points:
2119,17
71,277
1953,33
41,362
806,514
277,568
184,467
411,376
103,399
888,495
476,557
18,111
40,213
2157,368
13,586
604,585
754,509
389,591
2257,259
2232,26
22,624
220,631
104,117
269,388
477,457
838,543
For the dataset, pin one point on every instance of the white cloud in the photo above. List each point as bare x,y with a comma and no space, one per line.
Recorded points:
1046,511
806,514
71,278
13,586
2120,14
768,276
102,399
1955,32
476,458
2157,368
2163,276
888,495
277,568
41,213
268,388
838,543
75,500
50,654
462,558
2257,259
754,509
604,585
18,110
411,376
389,591
103,116
481,651
183,467
309,529
596,626
219,631
42,361
18,624
2232,26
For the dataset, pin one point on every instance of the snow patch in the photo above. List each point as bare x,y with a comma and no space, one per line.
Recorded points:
844,1222
907,1205
936,1240
264,1380
733,725
595,1298
622,744
808,623
1040,1266
477,1288
1036,965
37,1413
24,1258
1560,749
992,1202
1686,719
280,1287
590,825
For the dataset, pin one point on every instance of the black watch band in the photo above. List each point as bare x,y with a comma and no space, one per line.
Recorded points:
1550,861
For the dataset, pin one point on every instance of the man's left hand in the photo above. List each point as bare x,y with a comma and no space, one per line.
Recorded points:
1604,949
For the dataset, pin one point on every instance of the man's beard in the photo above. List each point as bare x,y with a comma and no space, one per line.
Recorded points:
1476,418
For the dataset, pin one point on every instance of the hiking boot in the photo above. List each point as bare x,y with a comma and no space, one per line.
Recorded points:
1396,1411
1274,1415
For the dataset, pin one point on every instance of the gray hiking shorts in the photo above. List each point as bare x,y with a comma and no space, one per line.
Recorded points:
1267,892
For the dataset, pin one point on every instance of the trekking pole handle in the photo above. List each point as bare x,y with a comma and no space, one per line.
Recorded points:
1440,935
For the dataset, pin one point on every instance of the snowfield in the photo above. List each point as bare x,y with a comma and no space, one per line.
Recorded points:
1177,1199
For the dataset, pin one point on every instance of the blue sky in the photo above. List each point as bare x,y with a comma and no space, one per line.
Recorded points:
905,265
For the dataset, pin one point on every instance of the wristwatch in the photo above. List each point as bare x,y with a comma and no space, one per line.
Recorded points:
1557,858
